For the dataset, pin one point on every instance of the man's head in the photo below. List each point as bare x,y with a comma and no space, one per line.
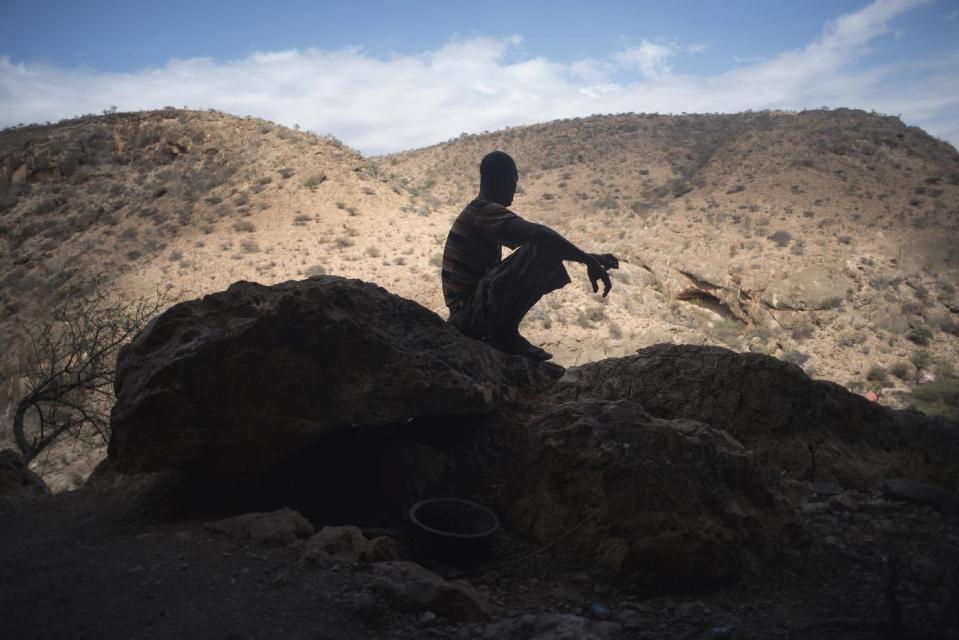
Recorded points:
498,178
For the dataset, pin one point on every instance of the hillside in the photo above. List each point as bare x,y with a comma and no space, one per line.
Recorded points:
827,238
187,201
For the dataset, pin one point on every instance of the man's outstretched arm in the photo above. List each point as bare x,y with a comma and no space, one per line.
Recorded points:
519,231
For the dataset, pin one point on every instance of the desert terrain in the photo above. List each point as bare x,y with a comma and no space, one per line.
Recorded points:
663,487
825,238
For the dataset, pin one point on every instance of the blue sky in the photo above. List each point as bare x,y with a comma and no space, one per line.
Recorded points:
390,75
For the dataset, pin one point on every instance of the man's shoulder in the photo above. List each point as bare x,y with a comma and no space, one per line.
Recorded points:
487,209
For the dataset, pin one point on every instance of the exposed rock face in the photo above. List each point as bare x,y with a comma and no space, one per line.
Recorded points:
810,288
774,408
664,467
241,377
665,504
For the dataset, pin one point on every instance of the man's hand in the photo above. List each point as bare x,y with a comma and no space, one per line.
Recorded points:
596,271
607,261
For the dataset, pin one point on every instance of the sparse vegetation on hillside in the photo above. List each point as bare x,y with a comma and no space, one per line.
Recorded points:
831,232
68,354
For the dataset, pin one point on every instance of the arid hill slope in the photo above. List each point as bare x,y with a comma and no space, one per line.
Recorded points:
191,201
828,238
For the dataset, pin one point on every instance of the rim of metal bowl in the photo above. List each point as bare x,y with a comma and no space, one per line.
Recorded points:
419,523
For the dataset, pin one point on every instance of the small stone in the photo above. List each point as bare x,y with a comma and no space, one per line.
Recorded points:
825,488
427,616
631,619
832,541
276,528
842,503
927,572
567,593
411,587
691,610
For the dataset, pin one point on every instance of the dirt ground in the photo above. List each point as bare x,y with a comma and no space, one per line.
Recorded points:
109,563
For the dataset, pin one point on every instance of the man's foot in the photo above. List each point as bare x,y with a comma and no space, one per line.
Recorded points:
520,346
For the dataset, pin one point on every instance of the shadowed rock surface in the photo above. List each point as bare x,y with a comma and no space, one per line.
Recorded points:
669,505
794,423
16,480
240,378
624,488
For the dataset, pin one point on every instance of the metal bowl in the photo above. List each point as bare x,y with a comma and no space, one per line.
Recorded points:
455,531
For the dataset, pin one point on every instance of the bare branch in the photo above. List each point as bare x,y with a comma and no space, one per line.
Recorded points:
72,363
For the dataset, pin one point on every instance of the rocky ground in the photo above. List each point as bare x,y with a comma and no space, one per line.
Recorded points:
106,563
272,440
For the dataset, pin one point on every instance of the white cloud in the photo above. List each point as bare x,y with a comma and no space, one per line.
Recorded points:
650,58
476,84
699,47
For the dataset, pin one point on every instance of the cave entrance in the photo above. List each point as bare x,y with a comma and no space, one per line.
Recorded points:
361,475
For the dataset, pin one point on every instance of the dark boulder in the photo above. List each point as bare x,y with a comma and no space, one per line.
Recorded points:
241,378
813,428
666,505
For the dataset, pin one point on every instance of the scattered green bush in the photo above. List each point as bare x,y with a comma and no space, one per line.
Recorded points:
938,398
803,330
781,238
607,202
920,335
902,370
921,359
313,182
877,374
679,188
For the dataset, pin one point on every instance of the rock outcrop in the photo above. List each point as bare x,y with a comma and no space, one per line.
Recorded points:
241,378
664,504
793,423
668,469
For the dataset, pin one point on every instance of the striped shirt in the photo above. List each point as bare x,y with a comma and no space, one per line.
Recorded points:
473,247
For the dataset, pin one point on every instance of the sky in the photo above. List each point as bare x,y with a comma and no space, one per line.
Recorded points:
387,75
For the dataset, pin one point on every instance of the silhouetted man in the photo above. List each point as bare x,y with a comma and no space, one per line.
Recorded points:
488,296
